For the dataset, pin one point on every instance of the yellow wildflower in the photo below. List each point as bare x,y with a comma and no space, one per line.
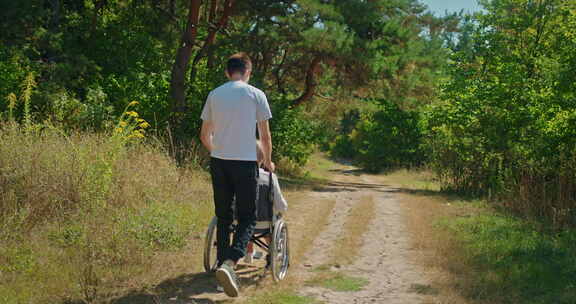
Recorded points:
118,130
136,134
132,114
123,124
144,125
133,103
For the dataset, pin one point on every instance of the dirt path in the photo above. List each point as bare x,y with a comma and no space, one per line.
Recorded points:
321,220
385,258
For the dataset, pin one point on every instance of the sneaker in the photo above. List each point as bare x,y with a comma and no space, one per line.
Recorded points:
249,258
226,278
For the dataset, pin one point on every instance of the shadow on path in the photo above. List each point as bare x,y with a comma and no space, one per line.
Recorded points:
197,288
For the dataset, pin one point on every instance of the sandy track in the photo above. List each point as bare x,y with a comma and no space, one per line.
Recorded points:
385,259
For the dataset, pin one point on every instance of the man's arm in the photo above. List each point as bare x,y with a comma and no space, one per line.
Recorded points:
206,135
266,140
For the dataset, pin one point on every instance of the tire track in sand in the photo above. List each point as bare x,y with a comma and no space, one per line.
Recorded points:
386,257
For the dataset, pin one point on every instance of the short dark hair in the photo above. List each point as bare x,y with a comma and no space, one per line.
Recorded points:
238,63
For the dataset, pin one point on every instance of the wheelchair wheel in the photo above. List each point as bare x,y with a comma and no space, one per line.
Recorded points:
210,252
280,251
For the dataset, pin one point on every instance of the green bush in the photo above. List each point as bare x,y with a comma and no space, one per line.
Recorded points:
13,70
383,138
292,135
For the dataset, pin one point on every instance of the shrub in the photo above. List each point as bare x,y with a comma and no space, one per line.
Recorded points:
13,70
292,135
384,138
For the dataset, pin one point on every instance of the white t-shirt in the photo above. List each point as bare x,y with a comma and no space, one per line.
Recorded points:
234,108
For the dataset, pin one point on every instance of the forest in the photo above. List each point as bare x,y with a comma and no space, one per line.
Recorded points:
100,105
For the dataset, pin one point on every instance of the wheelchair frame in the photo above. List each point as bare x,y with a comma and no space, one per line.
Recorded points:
279,249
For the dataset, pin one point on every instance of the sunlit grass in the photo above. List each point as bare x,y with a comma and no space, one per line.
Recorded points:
281,297
514,261
338,281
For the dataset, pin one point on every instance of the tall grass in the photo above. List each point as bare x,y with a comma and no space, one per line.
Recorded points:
84,216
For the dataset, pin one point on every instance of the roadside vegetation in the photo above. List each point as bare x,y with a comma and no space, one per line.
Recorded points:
88,216
478,254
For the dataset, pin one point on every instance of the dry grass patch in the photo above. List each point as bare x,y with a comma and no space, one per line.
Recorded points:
439,250
87,217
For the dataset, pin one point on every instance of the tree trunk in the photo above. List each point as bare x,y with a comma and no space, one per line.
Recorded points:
277,72
211,20
214,29
311,84
177,81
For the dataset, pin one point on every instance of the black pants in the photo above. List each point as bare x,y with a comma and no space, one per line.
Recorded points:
234,179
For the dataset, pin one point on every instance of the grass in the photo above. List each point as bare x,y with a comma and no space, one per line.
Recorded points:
338,281
423,289
281,297
86,217
480,255
514,261
414,180
314,174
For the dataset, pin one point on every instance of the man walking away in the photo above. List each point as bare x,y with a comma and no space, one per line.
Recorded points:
230,116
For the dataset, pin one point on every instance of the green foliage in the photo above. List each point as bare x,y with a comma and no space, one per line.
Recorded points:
506,124
293,135
83,56
13,70
515,262
384,138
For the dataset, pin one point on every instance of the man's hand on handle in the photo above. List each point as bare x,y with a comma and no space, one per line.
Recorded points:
270,166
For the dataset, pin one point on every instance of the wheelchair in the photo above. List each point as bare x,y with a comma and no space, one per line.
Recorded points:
274,227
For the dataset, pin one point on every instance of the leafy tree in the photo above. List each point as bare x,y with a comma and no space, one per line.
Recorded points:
506,125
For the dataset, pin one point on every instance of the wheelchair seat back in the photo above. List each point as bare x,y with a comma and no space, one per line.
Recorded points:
265,205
